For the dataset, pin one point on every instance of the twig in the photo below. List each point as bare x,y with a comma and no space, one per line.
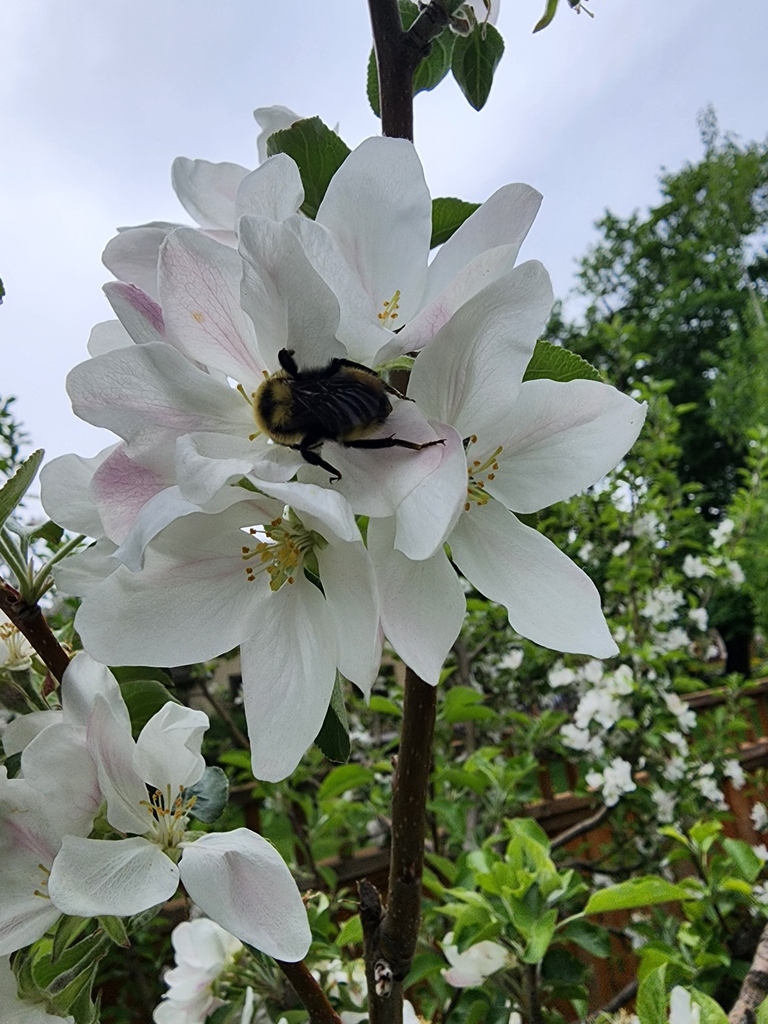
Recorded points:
621,998
309,992
237,734
29,620
754,988
580,829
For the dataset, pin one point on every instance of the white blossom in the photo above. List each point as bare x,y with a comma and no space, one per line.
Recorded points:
682,1009
721,533
695,568
686,717
475,964
732,769
759,816
614,780
621,548
662,605
16,652
513,659
699,617
665,804
203,951
736,573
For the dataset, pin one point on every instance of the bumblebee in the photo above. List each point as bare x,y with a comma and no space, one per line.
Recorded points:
343,402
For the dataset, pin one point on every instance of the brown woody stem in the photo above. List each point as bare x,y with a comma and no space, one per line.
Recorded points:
309,992
29,620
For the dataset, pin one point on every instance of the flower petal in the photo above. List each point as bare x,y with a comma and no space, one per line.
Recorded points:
106,336
132,254
273,190
64,484
422,603
137,311
83,679
199,282
168,748
205,463
272,119
470,372
92,877
207,191
240,881
378,209
548,598
566,436
289,668
111,746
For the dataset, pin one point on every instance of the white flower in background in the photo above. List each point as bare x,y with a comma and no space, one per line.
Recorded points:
682,1009
619,683
649,526
686,716
721,533
678,741
271,120
675,769
621,548
662,605
699,617
598,706
592,672
761,851
760,893
203,951
512,660
559,676
665,804
708,787
674,639
581,739
614,780
16,652
759,816
475,964
732,770
529,445
585,551
736,573
236,878
18,1011
695,568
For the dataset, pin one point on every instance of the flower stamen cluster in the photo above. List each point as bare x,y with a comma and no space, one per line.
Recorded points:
476,492
284,551
390,310
169,816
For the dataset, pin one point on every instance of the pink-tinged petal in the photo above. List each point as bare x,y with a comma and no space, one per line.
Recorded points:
379,211
132,254
145,392
120,488
92,877
422,603
57,763
83,679
548,598
503,220
349,585
159,511
168,748
199,283
287,300
112,748
562,438
207,191
360,329
270,120
23,729
64,485
137,311
289,668
106,336
205,463
240,881
426,516
191,602
28,845
273,190
469,374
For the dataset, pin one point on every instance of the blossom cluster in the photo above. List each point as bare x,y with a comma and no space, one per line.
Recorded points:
209,535
61,855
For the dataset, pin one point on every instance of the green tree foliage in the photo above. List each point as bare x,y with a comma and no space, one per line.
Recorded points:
680,294
12,437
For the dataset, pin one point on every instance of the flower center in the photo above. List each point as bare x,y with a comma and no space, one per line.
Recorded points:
389,312
283,552
15,650
479,472
169,816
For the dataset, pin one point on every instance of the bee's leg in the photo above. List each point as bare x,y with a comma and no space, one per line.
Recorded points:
396,393
308,453
391,442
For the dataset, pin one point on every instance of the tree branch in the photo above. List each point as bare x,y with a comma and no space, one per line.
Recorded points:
580,828
754,988
309,992
29,620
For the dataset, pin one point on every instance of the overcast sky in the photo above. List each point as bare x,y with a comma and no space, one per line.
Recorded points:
98,96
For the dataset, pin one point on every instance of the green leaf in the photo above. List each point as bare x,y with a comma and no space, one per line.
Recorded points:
560,966
333,738
552,362
13,490
710,1011
211,793
637,892
317,151
384,706
144,698
463,704
475,59
344,778
761,1014
591,937
48,531
652,997
351,932
547,16
116,930
540,938
372,83
448,215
